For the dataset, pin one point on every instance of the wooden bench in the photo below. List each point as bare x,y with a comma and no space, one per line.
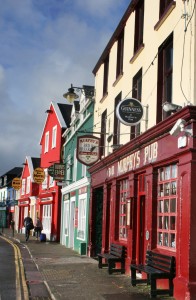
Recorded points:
158,266
116,254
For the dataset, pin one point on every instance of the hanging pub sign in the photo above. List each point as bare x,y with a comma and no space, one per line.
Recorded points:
16,183
38,175
57,171
129,111
88,149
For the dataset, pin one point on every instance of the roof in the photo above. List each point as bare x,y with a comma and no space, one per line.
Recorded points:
36,162
15,171
65,110
116,34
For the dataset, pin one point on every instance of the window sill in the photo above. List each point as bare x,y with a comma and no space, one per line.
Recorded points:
118,79
165,15
137,53
103,98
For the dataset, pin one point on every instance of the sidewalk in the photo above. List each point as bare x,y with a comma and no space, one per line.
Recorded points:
56,272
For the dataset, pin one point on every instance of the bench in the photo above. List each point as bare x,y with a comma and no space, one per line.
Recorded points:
116,254
158,266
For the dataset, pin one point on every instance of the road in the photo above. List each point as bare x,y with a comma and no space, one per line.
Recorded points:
12,278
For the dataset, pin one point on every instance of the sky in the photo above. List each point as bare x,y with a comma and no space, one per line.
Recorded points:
45,45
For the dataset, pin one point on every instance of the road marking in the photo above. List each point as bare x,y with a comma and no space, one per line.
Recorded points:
20,275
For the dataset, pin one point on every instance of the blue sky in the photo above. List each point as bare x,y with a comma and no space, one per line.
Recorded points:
45,46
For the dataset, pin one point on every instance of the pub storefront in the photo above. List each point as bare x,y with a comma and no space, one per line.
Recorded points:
143,197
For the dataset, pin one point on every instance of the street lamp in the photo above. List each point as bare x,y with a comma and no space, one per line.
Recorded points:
171,107
86,90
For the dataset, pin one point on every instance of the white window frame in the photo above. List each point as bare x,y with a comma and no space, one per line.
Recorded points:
83,170
54,136
68,170
28,185
81,217
46,147
23,186
75,161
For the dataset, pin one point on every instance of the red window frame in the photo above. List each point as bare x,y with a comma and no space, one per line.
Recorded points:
123,193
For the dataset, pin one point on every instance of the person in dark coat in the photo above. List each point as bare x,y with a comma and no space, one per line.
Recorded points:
28,223
38,228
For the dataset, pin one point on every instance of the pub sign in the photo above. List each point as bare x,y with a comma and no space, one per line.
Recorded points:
129,111
88,149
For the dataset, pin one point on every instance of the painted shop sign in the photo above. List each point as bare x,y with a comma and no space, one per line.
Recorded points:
88,149
135,160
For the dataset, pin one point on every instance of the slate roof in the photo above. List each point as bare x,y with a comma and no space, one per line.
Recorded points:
15,171
65,110
36,162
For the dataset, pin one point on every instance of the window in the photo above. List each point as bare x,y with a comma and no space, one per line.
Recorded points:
75,166
51,181
105,75
5,180
66,217
46,142
164,4
123,209
28,185
83,170
137,94
54,135
23,186
116,137
165,71
120,46
81,218
103,131
139,25
68,168
166,207
46,218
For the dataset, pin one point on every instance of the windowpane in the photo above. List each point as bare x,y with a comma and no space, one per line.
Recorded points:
123,209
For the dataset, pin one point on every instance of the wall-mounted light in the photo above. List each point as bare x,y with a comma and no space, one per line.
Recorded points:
86,90
171,107
48,111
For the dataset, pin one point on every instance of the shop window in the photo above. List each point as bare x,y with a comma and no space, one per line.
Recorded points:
66,217
167,206
81,218
137,94
123,209
116,136
165,74
139,25
120,50
105,75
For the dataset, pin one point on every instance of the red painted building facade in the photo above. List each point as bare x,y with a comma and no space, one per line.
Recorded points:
27,202
143,197
58,119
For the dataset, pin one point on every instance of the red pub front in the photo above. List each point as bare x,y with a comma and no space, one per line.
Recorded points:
143,197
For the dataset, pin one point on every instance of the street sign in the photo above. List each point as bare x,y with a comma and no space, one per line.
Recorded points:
39,175
16,183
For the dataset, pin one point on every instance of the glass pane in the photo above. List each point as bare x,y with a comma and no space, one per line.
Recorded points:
166,206
166,222
166,189
173,171
172,223
160,224
160,238
160,193
160,208
173,205
167,173
161,174
173,188
172,240
165,239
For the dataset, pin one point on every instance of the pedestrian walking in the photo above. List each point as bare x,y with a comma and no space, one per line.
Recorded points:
38,228
28,223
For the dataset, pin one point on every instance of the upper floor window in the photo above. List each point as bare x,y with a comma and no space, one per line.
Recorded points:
5,180
165,72
139,25
28,185
46,142
23,186
120,51
54,136
75,161
103,132
83,170
116,136
45,182
164,4
105,75
137,94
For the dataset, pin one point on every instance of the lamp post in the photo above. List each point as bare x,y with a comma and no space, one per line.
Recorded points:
86,90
